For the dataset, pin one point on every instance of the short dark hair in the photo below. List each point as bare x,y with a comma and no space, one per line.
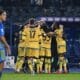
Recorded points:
31,20
1,11
56,26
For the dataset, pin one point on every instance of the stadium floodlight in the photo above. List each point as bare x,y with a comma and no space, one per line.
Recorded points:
63,19
77,19
70,19
50,19
57,19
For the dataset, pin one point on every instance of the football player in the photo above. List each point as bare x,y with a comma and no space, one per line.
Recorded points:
21,50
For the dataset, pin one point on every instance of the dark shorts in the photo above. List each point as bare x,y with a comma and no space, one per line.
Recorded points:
61,54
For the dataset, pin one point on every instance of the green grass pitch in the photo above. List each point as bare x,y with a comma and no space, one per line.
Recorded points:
13,76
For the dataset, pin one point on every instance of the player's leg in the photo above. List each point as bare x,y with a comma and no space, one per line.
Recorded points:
60,61
65,65
1,68
25,65
36,59
46,65
46,62
30,65
49,65
41,63
38,65
48,56
41,54
38,62
20,59
2,58
30,59
19,63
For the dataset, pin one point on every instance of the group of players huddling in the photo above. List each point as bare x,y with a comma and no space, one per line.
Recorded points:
35,44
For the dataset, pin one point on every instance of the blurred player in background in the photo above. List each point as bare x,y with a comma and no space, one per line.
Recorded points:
21,50
3,42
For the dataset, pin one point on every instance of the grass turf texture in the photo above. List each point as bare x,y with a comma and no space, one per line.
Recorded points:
13,76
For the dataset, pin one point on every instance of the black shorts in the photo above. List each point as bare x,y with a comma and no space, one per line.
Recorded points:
61,54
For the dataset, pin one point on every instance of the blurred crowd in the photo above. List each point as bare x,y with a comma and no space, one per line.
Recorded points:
21,10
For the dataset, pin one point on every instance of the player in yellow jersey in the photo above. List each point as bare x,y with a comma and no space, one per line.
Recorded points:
61,48
33,35
46,51
41,55
26,39
21,51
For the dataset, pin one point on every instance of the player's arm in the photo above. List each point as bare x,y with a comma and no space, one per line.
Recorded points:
24,36
61,27
3,40
40,36
52,26
54,33
50,34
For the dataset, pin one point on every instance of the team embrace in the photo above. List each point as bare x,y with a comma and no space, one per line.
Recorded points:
35,44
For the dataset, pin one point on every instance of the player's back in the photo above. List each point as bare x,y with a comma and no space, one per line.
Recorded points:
33,34
46,40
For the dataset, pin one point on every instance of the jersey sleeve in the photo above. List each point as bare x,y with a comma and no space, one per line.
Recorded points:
23,35
40,35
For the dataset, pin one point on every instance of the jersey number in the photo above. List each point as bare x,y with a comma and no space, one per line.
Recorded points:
46,38
32,34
